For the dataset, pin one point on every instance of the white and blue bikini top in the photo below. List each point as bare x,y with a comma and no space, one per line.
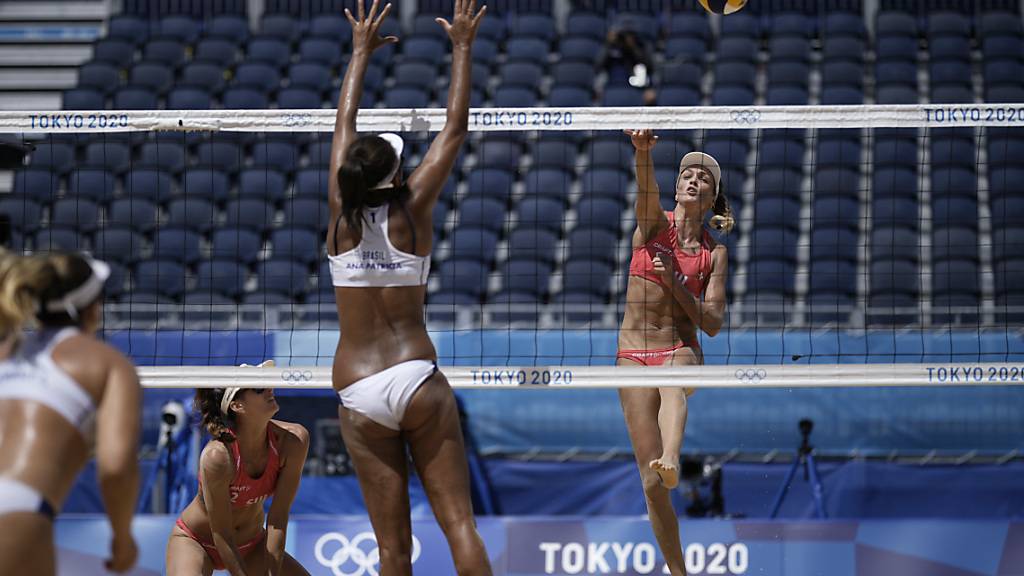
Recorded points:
31,374
375,261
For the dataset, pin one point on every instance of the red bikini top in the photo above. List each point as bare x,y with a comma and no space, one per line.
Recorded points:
696,267
246,490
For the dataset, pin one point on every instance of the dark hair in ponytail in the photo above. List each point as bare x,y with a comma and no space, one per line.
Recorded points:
369,160
219,425
723,219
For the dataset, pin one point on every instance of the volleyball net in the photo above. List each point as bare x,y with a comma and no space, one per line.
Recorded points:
867,235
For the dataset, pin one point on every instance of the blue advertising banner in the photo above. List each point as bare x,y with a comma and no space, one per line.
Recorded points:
535,546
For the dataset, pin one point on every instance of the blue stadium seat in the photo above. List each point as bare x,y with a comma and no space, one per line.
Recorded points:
312,213
285,277
896,72
949,49
91,184
838,24
189,99
833,242
283,157
236,244
1007,242
415,75
955,277
251,213
118,53
774,242
605,182
225,156
244,99
595,244
894,94
739,48
1003,71
587,24
323,51
732,96
478,244
729,153
539,212
586,277
615,153
536,244
678,96
527,49
311,75
791,24
1002,47
1004,151
523,74
281,26
787,154
311,183
298,98
532,25
622,96
892,49
319,154
946,181
176,243
84,99
1007,94
569,97
224,277
894,181
527,276
895,23
948,24
682,73
167,156
136,213
836,211
891,276
485,52
788,49
481,212
1009,277
895,152
843,49
271,51
733,74
898,242
518,306
491,182
54,239
741,24
467,278
788,74
168,52
779,211
406,97
1007,211
117,244
149,184
216,51
955,210
25,214
515,97
833,276
55,156
180,28
957,242
836,153
194,212
572,74
554,154
259,76
262,183
128,28
587,50
842,74
212,185
39,184
298,244
777,179
229,27
998,23
770,276
786,96
99,76
956,72
639,21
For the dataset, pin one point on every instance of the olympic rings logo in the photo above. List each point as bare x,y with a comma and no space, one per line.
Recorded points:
354,557
745,116
751,375
296,376
298,120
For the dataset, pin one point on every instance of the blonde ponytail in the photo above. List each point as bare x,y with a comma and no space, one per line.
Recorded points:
723,219
22,280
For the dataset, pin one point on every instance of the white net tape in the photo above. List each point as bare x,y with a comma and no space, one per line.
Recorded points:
535,377
523,119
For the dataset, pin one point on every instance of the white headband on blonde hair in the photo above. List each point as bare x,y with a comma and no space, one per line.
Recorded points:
85,294
230,393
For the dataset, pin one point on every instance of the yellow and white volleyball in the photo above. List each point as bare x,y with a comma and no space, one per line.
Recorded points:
723,6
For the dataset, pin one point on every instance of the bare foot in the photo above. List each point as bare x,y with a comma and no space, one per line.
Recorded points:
669,473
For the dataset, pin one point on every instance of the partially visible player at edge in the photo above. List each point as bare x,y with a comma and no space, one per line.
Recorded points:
392,395
63,394
675,262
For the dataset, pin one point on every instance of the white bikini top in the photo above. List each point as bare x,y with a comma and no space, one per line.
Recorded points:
31,374
375,261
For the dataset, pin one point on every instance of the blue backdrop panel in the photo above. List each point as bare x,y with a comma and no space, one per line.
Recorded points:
522,546
193,347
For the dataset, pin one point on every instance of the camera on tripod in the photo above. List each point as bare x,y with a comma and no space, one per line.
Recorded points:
805,458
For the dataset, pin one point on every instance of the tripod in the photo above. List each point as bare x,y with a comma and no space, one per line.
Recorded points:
805,456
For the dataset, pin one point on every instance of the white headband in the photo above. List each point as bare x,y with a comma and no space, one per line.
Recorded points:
85,294
397,144
229,395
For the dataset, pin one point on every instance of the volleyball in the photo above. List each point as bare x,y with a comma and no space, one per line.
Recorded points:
723,6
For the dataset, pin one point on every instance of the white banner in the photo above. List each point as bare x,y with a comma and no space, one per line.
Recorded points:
535,377
521,119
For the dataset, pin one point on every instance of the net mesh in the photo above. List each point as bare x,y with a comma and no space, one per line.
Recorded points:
863,234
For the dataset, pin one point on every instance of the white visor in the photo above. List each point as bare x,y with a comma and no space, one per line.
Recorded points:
85,294
397,144
705,161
